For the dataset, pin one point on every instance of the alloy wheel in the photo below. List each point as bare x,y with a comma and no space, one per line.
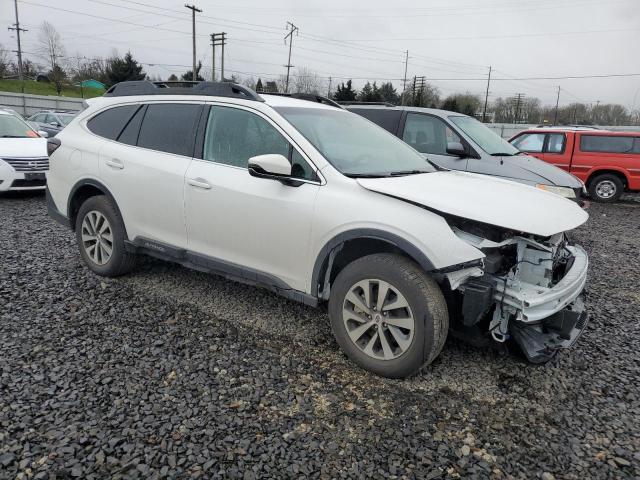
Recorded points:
378,319
97,237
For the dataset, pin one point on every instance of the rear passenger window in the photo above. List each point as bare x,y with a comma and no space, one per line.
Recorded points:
606,144
130,133
110,123
170,127
387,119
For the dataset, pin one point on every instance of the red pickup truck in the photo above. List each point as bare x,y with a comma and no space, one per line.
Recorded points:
607,162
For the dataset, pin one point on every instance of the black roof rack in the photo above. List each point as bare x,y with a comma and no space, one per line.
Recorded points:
312,97
366,104
214,89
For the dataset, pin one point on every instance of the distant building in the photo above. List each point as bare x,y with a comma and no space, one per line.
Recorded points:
92,84
270,87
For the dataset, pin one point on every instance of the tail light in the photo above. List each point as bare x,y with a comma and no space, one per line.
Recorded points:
52,145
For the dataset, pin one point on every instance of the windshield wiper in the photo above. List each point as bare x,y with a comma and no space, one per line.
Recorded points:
402,173
13,136
365,175
503,154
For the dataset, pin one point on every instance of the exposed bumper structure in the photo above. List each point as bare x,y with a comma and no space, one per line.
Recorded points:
534,303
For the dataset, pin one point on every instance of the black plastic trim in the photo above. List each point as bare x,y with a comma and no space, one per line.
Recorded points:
93,183
368,233
53,211
216,266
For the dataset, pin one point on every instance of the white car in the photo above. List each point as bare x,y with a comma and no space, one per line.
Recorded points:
23,155
323,207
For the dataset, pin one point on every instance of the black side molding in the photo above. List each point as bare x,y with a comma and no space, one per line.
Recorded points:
216,266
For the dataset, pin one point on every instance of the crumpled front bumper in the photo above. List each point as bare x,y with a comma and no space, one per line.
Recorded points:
534,303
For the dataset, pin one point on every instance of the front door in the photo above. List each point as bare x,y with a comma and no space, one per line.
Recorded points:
255,224
429,135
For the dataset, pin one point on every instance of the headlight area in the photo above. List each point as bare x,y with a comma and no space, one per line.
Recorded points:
528,290
565,192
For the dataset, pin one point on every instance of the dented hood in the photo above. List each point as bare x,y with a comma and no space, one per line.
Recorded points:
484,199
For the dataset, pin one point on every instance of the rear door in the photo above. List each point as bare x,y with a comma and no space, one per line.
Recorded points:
144,169
595,151
429,135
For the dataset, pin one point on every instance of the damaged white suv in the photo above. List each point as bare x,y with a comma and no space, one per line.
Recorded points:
323,207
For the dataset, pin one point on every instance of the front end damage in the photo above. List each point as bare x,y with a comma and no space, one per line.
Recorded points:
529,290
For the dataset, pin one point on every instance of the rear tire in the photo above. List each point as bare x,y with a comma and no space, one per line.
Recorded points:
606,188
393,333
100,234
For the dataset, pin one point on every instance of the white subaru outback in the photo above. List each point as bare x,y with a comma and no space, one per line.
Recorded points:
323,207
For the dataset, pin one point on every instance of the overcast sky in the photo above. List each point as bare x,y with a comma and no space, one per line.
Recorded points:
447,40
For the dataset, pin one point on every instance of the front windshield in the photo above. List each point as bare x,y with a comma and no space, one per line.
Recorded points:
12,127
66,119
486,139
353,145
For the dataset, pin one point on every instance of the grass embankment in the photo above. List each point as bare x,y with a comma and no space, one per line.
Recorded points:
44,88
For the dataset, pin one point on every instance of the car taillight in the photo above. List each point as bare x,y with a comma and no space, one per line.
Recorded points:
52,145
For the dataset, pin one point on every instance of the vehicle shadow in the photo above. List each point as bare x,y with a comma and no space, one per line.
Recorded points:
18,194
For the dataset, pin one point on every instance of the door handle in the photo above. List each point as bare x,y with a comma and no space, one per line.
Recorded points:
199,183
115,163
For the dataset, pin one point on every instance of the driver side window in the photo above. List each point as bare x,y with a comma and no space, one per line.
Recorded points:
233,136
428,134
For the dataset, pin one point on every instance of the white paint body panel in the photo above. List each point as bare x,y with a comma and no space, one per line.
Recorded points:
485,199
18,148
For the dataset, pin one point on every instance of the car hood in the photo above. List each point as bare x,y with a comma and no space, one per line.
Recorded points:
23,147
484,199
534,170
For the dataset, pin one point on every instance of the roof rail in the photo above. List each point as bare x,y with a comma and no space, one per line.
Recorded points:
385,104
214,89
311,97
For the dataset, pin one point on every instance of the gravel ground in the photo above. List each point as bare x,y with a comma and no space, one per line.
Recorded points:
173,373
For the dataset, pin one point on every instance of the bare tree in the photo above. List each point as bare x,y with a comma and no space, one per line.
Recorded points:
307,81
5,61
52,49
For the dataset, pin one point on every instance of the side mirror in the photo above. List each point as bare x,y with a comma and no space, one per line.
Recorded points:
273,166
456,148
43,134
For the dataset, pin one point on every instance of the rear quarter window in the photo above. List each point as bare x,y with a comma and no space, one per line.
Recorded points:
606,144
387,119
109,124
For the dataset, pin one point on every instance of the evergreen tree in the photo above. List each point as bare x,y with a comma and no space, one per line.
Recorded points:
188,75
345,93
370,93
172,78
123,69
389,93
259,87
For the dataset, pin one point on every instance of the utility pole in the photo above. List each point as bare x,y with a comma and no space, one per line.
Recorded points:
329,91
518,100
404,83
419,84
193,9
486,98
16,27
218,40
555,117
292,29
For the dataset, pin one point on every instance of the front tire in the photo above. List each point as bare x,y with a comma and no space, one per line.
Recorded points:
606,188
100,234
388,315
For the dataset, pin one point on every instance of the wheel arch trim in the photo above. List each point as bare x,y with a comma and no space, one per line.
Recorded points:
324,256
90,182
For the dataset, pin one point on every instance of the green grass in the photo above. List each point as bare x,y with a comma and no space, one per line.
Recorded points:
44,88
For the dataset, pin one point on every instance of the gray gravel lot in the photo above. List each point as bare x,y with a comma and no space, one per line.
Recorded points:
173,373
